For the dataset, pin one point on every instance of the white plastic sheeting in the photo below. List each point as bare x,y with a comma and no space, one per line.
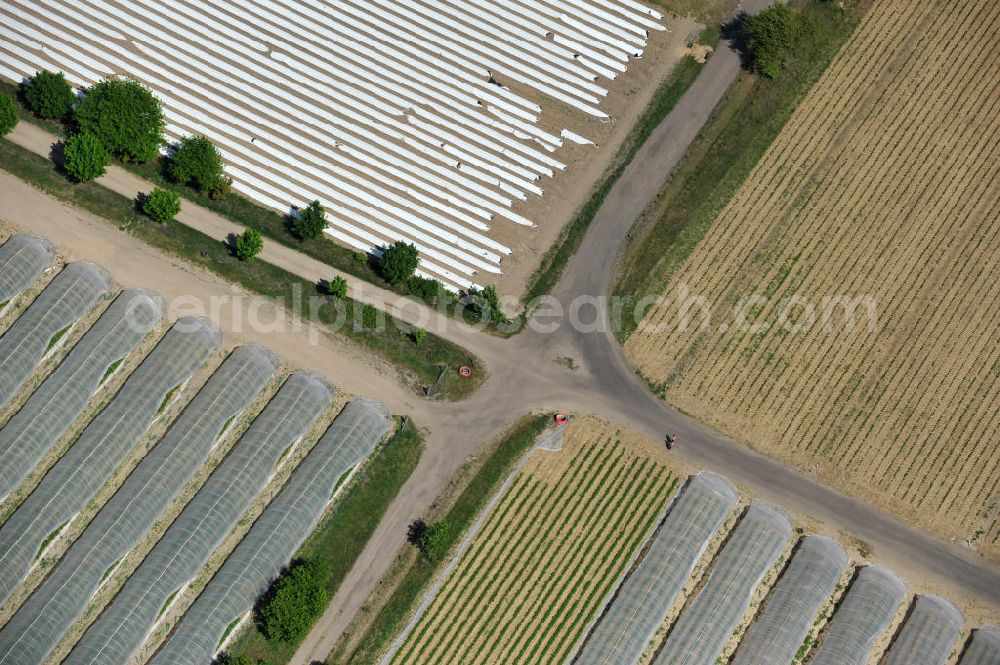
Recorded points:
390,113
22,259
983,647
928,635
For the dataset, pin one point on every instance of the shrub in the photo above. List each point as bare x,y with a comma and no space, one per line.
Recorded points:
248,244
399,261
337,287
369,316
8,115
419,335
229,659
310,222
85,157
196,162
770,35
437,539
428,290
222,188
125,116
486,304
162,205
295,601
48,94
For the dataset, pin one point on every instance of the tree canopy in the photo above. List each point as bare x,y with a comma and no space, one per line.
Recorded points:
337,287
196,162
162,205
295,601
125,116
48,94
399,261
85,157
8,115
310,222
770,35
248,244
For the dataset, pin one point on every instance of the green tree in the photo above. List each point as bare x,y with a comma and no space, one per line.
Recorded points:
196,161
770,35
427,289
337,287
486,303
399,261
437,539
162,205
248,244
48,94
310,222
125,116
8,115
85,157
294,601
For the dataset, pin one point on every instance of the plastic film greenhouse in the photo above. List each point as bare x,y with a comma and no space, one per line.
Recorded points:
928,635
643,600
55,405
870,603
206,520
23,258
983,648
707,623
806,584
102,447
129,515
67,298
276,535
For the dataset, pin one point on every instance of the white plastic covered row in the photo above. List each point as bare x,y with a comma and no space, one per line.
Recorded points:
393,114
928,635
23,258
983,647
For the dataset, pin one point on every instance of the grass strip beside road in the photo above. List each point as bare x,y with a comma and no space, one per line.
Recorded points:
558,255
392,341
736,136
345,530
415,572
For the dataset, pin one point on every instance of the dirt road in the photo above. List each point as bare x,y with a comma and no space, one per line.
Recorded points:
525,374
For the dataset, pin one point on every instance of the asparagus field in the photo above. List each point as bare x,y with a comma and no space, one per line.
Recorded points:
554,547
880,196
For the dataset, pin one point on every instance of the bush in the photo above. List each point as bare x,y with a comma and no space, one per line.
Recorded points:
486,304
125,116
248,244
162,205
770,35
85,157
428,290
295,601
196,162
399,261
419,335
310,222
222,188
229,659
437,539
49,94
337,287
8,115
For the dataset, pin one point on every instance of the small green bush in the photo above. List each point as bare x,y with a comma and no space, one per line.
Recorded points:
125,116
770,35
162,205
85,157
437,539
369,316
419,336
196,162
295,601
48,94
399,261
337,287
310,222
8,115
248,244
486,304
428,290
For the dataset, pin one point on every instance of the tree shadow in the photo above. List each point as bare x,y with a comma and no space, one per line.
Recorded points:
230,244
734,31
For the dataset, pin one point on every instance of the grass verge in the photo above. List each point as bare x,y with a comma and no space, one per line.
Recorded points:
736,136
558,255
376,331
345,530
416,572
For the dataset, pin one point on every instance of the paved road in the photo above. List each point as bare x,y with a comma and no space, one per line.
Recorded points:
524,377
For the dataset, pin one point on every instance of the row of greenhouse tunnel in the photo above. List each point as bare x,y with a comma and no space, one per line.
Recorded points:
92,401
801,590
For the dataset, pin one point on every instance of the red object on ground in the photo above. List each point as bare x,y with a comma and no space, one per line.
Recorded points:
465,370
561,419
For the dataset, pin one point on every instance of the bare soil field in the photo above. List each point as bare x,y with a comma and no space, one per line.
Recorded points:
552,550
884,189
